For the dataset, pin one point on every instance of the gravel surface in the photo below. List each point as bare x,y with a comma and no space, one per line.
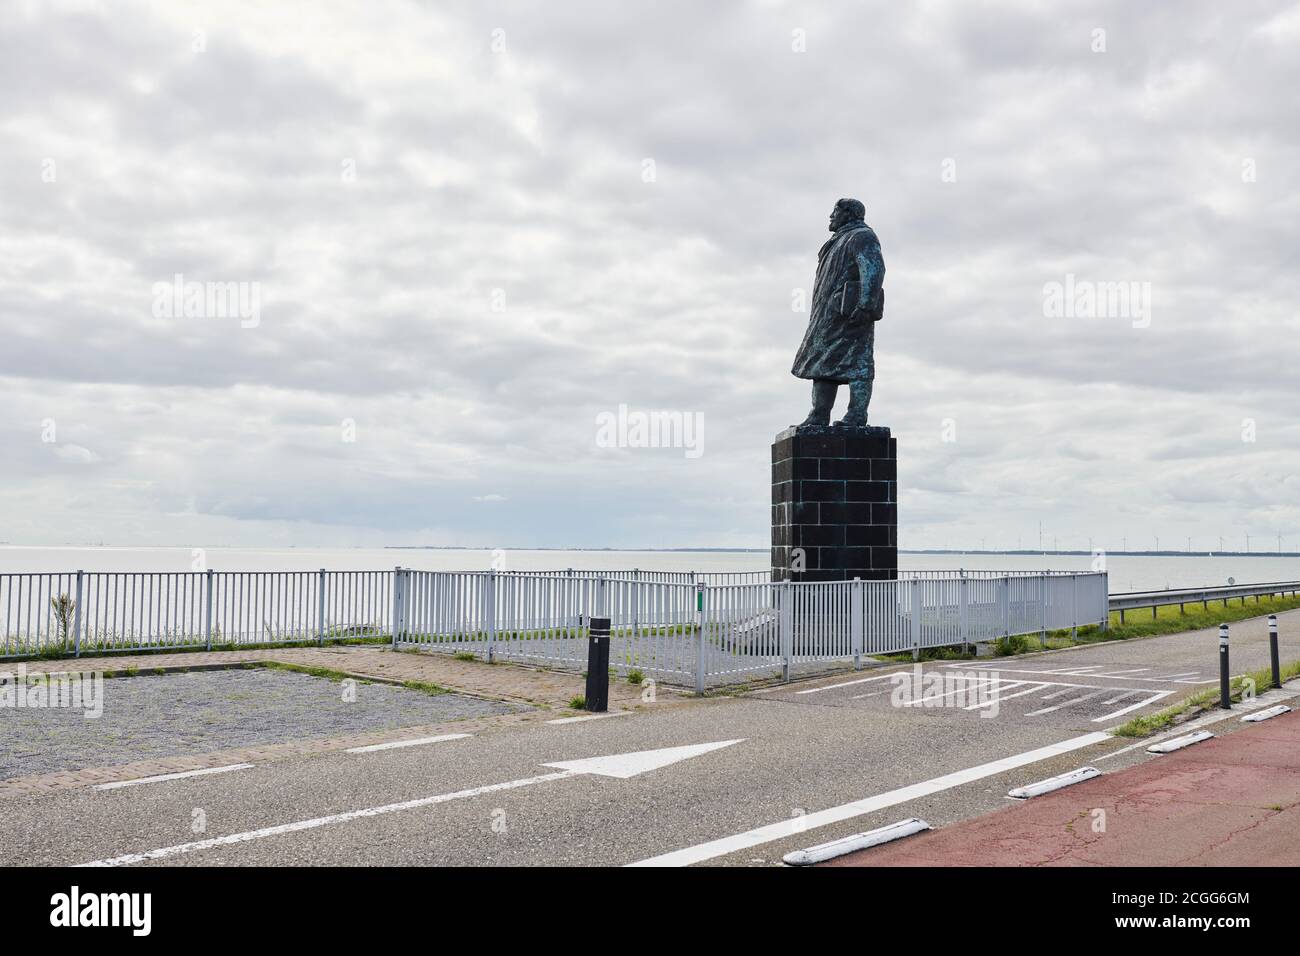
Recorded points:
168,715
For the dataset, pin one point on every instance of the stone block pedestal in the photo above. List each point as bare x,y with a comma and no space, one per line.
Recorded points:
834,504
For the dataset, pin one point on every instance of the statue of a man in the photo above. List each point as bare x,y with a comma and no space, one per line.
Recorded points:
848,300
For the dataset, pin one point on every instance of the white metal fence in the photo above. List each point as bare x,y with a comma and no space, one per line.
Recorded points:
96,612
679,627
704,634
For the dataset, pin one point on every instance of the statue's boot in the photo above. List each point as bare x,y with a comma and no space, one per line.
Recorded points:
823,399
859,399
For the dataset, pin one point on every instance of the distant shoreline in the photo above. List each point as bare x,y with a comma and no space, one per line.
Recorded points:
1018,552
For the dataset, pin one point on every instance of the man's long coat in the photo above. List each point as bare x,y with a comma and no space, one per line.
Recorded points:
848,300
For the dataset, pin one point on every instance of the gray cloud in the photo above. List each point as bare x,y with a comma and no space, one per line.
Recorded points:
497,273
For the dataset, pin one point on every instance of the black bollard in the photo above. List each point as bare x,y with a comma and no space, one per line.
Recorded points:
598,665
1225,691
1272,650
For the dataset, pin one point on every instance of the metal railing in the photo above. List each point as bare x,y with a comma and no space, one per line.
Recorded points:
1138,600
98,612
704,635
680,627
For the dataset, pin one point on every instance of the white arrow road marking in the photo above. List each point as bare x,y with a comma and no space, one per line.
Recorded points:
621,766
629,765
785,828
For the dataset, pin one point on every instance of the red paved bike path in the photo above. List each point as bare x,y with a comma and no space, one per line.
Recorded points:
1230,801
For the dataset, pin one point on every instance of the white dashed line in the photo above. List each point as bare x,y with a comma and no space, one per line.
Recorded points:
1140,704
397,744
1067,703
849,683
578,720
160,778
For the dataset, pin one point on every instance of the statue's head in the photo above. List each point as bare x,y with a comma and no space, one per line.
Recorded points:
845,212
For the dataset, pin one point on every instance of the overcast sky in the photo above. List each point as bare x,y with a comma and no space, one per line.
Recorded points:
476,227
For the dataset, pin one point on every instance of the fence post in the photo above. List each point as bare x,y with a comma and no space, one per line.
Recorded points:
320,608
1004,599
964,615
785,629
916,619
491,614
397,587
1105,601
855,622
1074,607
1042,598
700,670
636,601
77,618
207,607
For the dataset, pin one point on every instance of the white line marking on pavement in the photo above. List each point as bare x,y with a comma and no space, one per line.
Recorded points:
397,744
578,720
1037,686
621,766
117,785
848,683
851,844
1059,693
1131,670
998,681
322,821
1060,673
1064,703
1124,710
1129,693
785,828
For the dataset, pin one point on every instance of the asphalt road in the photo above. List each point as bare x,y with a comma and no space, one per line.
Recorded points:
788,769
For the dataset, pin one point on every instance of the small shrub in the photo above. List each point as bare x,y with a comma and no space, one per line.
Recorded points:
1010,646
635,677
465,656
578,702
64,607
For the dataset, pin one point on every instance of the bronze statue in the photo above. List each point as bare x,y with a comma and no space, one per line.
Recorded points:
848,300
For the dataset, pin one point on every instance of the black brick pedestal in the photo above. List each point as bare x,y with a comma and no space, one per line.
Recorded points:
834,495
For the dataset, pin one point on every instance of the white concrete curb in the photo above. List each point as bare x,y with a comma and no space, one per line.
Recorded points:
859,841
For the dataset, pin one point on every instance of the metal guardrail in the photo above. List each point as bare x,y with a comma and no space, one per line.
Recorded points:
1138,600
